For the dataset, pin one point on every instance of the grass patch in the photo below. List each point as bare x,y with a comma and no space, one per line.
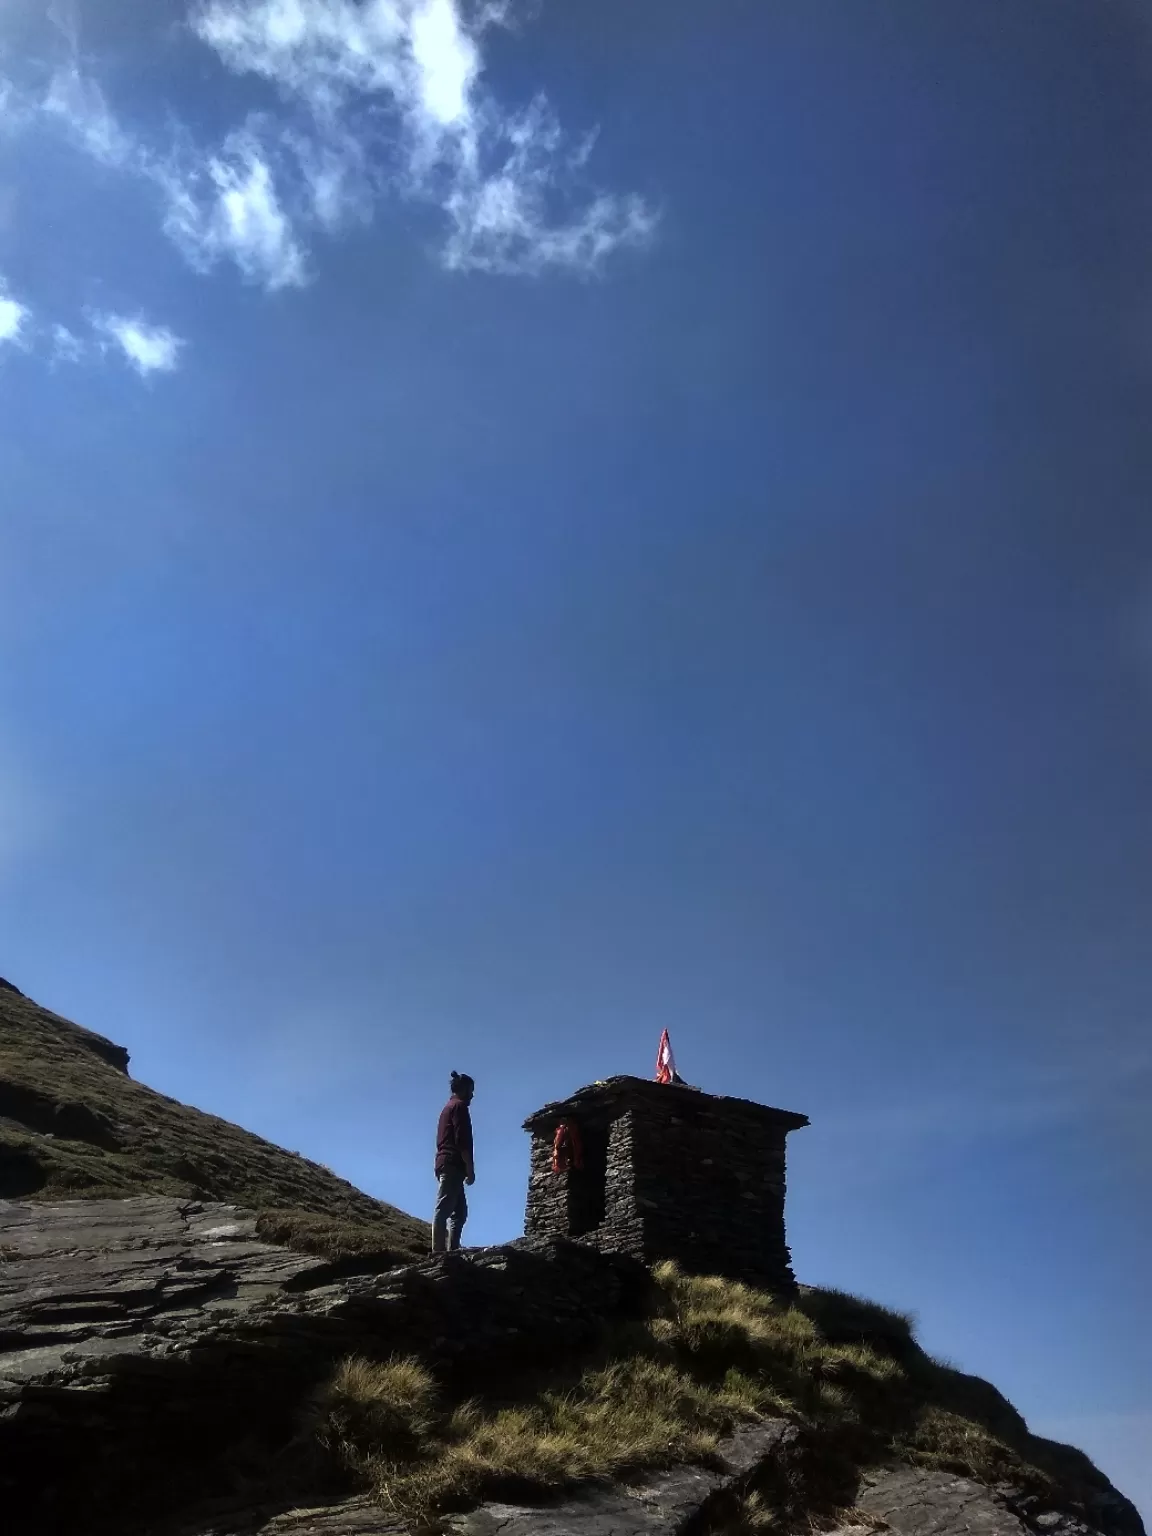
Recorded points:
713,1354
392,1407
845,1319
385,1423
369,1242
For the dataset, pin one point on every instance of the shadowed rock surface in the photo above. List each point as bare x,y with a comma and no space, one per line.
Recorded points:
354,1517
141,1340
914,1501
906,1501
662,1504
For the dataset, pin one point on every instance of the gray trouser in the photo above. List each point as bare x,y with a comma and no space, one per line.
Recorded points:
451,1211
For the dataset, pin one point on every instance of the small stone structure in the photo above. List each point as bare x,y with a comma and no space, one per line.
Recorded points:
668,1172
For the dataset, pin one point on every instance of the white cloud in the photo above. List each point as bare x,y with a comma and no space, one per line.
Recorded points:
219,204
331,51
377,98
504,181
338,184
14,317
75,104
147,348
502,221
230,208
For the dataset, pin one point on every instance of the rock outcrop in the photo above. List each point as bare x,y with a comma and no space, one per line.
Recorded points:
142,1339
917,1501
901,1500
351,1517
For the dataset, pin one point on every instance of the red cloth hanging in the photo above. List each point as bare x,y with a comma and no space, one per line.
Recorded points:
567,1148
665,1062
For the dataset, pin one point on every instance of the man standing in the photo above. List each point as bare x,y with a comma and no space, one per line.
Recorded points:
454,1165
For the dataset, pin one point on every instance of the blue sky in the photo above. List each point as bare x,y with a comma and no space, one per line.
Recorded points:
520,528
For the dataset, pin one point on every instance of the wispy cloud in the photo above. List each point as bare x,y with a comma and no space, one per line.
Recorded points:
503,220
228,206
147,348
377,99
418,52
79,105
404,77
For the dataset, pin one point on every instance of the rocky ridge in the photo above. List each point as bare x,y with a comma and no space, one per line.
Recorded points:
157,1350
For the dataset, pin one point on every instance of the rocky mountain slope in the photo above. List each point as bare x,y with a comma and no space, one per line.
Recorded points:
168,1370
73,1124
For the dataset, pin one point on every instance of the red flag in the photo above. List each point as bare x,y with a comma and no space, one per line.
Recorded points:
665,1061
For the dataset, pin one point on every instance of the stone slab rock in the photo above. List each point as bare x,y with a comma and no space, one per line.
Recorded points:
915,1501
664,1504
89,1280
354,1517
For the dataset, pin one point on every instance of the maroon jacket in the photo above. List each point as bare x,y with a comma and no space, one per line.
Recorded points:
454,1137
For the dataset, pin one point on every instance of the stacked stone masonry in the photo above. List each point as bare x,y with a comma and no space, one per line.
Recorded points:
668,1173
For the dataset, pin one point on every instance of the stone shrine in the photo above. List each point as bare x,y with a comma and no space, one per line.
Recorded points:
666,1171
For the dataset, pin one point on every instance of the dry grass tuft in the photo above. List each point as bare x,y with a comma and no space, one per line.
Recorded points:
717,1354
845,1319
770,1354
613,1419
391,1406
753,1515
